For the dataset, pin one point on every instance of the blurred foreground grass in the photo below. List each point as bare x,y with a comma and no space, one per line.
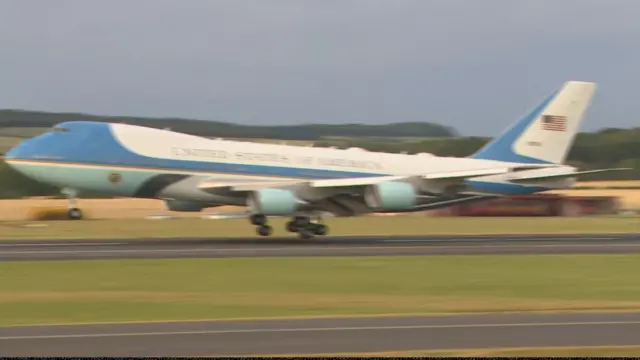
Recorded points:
131,290
586,351
369,225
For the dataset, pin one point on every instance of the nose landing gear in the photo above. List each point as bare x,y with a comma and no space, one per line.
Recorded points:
73,211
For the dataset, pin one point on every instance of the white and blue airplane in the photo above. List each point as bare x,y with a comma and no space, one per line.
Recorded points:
191,173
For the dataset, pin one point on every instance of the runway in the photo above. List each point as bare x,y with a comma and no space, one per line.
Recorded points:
309,336
32,250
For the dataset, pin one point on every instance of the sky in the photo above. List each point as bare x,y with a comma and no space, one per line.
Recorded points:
475,65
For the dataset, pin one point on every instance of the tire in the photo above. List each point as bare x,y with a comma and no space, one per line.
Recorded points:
305,234
291,227
74,214
257,219
320,229
264,230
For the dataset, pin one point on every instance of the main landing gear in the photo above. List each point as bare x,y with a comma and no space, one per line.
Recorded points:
302,225
73,211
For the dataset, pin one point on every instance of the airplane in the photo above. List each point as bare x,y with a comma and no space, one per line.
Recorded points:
191,173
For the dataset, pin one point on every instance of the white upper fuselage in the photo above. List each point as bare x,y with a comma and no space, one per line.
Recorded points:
162,144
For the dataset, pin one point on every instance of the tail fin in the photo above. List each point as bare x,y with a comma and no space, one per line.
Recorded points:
546,134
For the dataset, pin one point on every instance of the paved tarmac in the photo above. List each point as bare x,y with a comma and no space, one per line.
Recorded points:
309,336
34,250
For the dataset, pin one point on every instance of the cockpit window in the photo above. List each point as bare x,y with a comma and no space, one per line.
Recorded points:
59,129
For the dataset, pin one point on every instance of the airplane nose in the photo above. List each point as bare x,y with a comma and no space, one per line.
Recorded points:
16,151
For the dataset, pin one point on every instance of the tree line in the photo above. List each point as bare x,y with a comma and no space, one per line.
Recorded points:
19,118
603,149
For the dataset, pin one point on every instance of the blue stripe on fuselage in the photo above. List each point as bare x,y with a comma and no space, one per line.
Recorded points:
93,143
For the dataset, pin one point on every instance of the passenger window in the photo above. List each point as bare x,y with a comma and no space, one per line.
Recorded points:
60,129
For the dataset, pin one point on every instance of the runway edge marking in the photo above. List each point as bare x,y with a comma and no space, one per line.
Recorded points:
330,317
313,329
565,236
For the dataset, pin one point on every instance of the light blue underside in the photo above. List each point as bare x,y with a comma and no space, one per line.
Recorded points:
396,196
277,201
93,179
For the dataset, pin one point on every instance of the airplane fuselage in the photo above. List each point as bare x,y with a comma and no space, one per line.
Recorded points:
133,161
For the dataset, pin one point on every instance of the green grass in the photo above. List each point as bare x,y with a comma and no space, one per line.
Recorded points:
131,290
586,351
6,143
23,132
381,225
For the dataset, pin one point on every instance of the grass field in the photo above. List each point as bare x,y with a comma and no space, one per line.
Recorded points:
17,209
11,136
23,132
586,351
131,290
627,198
6,143
363,226
610,184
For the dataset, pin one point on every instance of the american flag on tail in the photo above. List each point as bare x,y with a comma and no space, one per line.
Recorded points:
554,123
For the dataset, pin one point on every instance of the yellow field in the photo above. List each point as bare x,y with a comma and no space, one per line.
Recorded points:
617,183
354,226
17,210
629,198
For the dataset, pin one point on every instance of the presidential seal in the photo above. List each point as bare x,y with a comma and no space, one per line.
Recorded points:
114,178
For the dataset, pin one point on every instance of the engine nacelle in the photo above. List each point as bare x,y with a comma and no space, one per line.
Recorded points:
390,196
274,202
184,206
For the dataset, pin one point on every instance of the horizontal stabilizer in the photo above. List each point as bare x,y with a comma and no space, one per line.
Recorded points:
564,175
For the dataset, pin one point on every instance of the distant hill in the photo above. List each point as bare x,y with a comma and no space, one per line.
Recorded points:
35,119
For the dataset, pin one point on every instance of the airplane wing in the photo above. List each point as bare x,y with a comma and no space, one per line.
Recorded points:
351,196
563,175
356,182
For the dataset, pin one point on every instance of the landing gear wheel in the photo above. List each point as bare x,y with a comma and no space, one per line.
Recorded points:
264,230
74,214
258,219
320,229
301,221
291,226
305,234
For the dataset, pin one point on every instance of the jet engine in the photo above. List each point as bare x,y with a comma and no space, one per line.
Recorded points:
271,202
391,196
184,206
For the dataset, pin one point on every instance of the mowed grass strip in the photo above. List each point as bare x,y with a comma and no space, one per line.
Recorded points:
586,351
144,290
365,226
